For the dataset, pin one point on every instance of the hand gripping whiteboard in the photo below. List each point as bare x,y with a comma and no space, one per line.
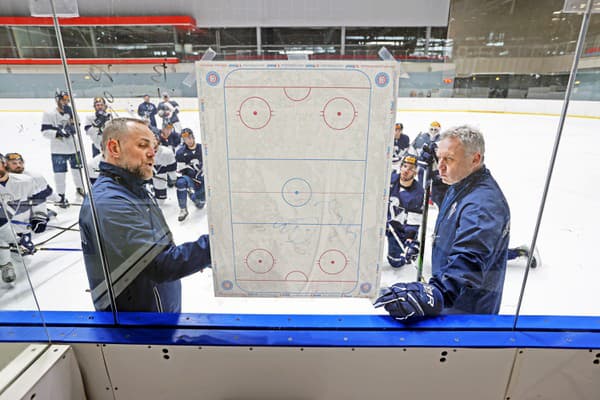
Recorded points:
297,159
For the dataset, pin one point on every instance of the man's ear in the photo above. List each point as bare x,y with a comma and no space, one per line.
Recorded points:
477,158
113,148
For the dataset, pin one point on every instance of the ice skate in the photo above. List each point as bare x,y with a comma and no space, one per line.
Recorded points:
8,272
62,202
183,213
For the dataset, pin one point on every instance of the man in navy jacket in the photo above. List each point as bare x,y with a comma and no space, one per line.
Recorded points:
469,249
144,264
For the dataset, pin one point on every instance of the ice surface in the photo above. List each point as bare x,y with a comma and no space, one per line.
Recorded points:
518,153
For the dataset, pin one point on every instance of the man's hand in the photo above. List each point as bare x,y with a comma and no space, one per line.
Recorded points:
409,301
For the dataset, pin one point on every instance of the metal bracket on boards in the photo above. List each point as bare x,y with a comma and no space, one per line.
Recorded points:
208,55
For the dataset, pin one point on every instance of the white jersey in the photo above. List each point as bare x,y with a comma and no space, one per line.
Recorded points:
164,159
50,121
18,200
42,187
93,132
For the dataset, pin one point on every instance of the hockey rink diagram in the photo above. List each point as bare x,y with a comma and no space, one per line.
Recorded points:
298,167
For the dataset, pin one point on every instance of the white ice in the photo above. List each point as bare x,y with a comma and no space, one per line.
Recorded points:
518,149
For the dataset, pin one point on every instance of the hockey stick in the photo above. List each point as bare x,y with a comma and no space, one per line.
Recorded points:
423,235
57,234
16,250
48,226
166,180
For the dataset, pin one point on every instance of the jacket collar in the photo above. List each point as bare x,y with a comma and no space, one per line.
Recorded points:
475,176
123,177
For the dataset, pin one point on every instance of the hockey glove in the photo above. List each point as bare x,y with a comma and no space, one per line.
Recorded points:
428,155
61,133
26,246
38,222
101,118
410,301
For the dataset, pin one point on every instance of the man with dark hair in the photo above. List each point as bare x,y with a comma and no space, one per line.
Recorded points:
147,111
144,264
469,249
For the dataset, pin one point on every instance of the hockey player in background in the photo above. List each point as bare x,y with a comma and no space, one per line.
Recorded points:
94,124
405,214
17,203
16,164
168,137
165,168
168,110
59,128
401,142
191,181
425,145
470,243
147,111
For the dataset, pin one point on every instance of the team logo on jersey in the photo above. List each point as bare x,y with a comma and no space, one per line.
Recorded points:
382,79
213,78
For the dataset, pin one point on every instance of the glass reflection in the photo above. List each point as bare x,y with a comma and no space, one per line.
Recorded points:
567,228
467,59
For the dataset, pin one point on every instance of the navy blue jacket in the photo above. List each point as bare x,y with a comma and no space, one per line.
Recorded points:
470,245
144,263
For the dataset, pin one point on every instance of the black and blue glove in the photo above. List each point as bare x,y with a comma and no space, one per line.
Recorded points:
26,246
101,118
61,133
428,155
38,222
410,301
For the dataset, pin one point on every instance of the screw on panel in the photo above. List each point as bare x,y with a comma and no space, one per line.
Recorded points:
165,351
444,353
443,359
596,362
32,396
166,357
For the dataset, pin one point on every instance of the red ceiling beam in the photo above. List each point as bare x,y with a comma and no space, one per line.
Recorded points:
87,61
174,20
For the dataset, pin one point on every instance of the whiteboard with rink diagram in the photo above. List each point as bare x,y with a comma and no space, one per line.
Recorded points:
297,162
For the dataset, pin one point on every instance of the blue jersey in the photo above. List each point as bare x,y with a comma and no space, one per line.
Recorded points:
172,141
148,111
189,161
424,139
405,206
401,144
172,108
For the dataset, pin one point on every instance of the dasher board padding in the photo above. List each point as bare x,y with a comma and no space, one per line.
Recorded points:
297,162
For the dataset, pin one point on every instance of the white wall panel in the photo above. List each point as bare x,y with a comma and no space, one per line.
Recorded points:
556,374
156,372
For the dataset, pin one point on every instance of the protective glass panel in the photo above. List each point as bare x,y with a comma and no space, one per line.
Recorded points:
24,231
565,284
505,57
